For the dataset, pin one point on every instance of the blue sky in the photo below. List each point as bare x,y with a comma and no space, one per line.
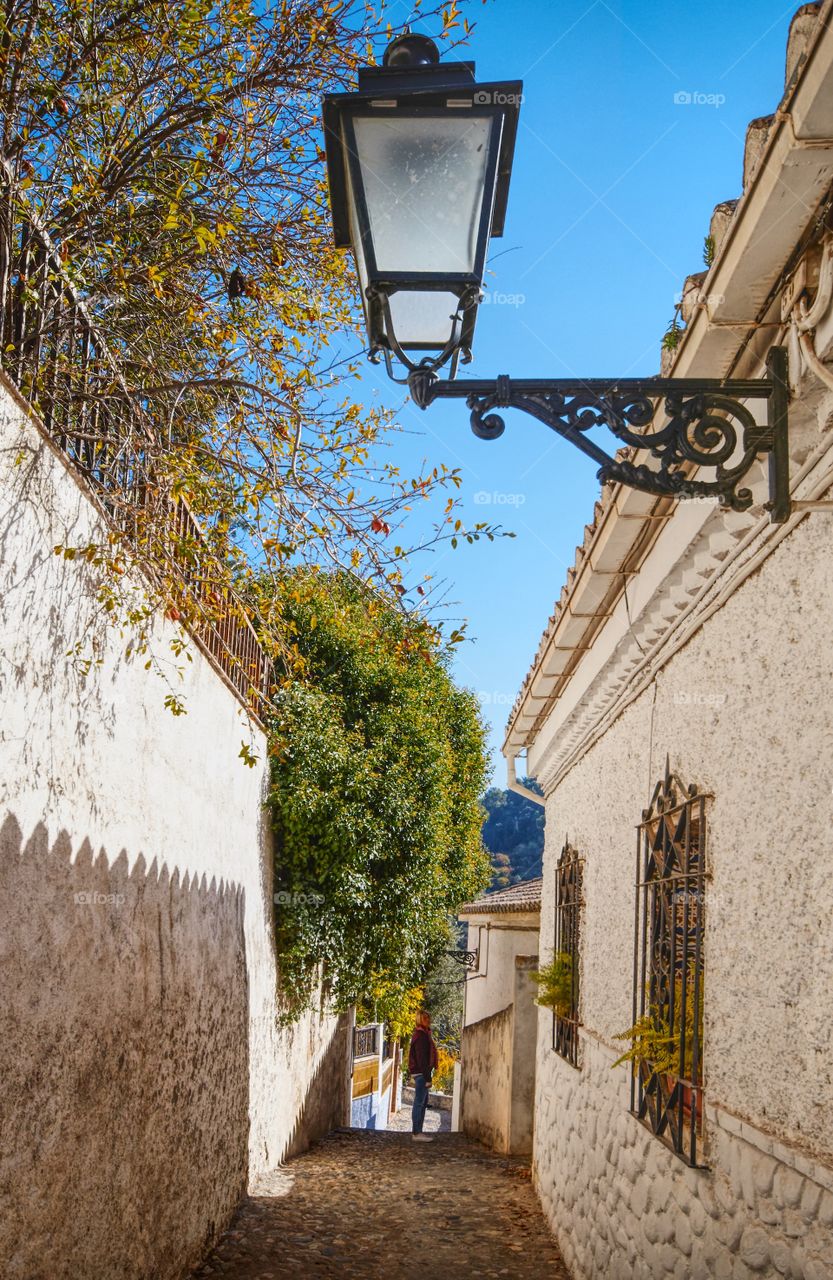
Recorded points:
613,186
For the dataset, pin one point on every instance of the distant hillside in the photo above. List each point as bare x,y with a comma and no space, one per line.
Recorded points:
513,833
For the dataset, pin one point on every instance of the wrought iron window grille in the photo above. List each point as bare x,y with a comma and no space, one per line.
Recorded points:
569,876
668,966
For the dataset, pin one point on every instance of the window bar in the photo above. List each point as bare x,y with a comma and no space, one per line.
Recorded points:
696,1084
634,1104
645,858
686,886
668,986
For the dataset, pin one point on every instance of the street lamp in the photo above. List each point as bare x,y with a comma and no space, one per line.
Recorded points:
419,161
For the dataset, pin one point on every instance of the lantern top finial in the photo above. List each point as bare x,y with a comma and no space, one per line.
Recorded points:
411,50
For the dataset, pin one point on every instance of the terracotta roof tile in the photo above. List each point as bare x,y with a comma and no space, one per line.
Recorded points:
524,896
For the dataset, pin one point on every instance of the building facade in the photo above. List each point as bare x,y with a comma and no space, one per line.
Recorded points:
497,1051
677,717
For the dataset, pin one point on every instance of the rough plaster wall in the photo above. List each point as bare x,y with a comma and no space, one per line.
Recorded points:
492,987
739,716
124,1061
524,1031
486,1067
143,1070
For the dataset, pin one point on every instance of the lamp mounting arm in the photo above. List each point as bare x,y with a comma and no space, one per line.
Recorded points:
691,425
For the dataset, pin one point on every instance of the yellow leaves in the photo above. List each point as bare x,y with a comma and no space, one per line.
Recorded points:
451,16
205,238
172,220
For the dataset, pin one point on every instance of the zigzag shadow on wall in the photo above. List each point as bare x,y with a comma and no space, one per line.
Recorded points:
124,1058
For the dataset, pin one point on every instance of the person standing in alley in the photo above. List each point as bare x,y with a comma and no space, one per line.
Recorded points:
422,1062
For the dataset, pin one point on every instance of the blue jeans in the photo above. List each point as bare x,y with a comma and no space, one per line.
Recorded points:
420,1102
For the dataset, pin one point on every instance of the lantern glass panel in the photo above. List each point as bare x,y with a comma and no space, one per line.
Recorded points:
422,318
424,178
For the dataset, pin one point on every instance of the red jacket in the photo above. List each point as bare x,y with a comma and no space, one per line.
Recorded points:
422,1055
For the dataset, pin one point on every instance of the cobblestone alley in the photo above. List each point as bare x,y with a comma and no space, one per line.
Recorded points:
363,1205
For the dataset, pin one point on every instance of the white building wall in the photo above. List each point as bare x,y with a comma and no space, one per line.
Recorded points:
498,939
744,712
145,1077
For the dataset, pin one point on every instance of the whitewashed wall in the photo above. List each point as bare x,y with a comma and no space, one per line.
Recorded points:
744,710
145,1077
498,939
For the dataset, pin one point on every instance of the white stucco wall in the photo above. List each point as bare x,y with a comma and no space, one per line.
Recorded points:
743,709
145,1076
498,939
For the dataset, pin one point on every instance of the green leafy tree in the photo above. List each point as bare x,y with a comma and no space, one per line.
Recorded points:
444,988
377,765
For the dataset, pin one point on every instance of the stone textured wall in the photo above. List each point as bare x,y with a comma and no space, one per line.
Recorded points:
735,711
486,1073
144,1072
625,1208
524,1031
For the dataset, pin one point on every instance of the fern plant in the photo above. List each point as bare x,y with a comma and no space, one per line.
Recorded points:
654,1042
674,332
555,984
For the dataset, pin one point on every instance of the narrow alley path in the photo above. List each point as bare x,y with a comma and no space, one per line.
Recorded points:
368,1205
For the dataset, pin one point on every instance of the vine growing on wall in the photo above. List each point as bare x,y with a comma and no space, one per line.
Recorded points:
377,766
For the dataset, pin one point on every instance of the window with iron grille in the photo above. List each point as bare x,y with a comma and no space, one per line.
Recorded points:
566,959
668,974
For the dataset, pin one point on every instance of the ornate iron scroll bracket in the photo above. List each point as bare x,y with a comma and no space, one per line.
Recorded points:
701,430
466,959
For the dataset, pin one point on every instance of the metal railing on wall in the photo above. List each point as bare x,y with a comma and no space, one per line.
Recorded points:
60,364
366,1042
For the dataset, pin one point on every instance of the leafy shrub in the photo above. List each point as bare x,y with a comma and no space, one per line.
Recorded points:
377,765
443,1080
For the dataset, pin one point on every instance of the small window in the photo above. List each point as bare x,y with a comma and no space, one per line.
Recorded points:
565,961
667,1033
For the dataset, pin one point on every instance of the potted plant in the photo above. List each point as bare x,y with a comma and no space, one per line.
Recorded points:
555,984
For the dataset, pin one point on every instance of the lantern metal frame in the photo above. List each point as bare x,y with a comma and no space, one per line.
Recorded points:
414,84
